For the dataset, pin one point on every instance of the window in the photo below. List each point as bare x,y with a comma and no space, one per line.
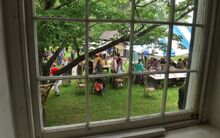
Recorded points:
160,87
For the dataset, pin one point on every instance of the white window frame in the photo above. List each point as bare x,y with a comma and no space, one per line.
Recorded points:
105,126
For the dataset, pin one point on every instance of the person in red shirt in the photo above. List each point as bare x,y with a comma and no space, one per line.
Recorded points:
54,69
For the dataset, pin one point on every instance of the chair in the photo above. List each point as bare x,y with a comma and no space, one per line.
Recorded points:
148,90
80,85
119,82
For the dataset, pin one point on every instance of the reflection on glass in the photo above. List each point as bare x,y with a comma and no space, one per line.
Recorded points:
150,47
59,45
146,95
108,99
181,91
180,49
63,104
114,58
60,8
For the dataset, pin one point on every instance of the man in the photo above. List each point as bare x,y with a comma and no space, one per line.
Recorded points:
114,67
182,97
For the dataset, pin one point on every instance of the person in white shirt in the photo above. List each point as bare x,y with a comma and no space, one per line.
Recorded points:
114,67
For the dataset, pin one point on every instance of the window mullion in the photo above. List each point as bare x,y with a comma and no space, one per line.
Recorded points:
170,36
88,113
130,59
192,43
192,33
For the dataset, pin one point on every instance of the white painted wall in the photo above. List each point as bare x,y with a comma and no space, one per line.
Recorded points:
214,107
6,125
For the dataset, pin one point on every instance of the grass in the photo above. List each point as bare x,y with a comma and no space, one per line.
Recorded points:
69,107
175,58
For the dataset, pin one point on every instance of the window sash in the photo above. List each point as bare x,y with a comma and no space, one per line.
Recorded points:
171,23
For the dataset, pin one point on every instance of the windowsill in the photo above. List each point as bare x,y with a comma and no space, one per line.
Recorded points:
199,131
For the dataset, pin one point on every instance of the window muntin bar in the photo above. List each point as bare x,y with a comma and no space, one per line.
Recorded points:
88,110
41,78
130,60
170,35
114,21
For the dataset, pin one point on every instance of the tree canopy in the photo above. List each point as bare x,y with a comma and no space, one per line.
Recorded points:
65,33
71,34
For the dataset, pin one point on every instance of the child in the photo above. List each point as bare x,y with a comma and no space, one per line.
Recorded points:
54,69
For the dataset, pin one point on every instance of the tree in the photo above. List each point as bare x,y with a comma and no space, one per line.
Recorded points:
64,34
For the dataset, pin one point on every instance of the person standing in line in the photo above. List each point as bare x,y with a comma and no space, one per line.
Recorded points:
60,57
72,55
79,69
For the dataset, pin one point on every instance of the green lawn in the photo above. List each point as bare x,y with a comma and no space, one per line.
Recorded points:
69,107
175,58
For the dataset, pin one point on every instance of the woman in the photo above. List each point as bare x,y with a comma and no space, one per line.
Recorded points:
139,68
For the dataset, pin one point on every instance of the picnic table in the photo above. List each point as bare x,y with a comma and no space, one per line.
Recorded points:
174,79
171,76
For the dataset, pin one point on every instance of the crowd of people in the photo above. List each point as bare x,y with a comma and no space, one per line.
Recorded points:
115,63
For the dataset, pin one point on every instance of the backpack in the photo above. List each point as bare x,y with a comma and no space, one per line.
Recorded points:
98,87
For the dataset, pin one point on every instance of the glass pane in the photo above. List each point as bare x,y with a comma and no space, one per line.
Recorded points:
60,44
109,100
147,92
110,9
60,8
180,51
181,91
184,11
150,46
153,10
106,46
63,104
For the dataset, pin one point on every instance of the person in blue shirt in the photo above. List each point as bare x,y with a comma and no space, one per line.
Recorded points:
139,68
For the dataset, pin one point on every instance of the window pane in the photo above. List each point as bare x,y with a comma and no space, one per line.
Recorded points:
110,9
60,8
153,10
147,92
184,11
106,34
109,100
180,50
60,44
65,104
181,91
150,46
